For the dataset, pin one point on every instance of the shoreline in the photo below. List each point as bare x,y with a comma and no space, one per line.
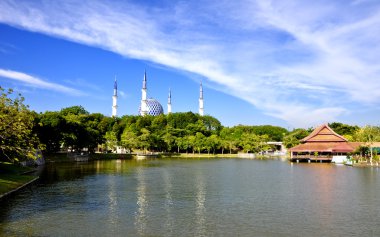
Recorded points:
19,188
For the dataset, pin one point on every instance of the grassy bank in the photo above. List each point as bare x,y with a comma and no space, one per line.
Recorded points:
13,176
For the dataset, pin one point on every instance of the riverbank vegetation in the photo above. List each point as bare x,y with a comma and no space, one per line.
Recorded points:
22,131
74,128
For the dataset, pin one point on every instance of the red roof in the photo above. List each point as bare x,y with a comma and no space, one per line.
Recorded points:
324,133
315,147
337,147
343,147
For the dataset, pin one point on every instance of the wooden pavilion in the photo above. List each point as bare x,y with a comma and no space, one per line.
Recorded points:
321,145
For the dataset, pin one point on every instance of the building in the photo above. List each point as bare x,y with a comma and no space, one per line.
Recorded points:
201,109
322,145
151,106
114,99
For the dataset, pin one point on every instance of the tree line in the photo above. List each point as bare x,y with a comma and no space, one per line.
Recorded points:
73,128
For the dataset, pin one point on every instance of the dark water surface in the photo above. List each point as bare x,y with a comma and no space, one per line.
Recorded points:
190,197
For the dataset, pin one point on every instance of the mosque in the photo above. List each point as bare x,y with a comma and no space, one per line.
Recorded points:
152,106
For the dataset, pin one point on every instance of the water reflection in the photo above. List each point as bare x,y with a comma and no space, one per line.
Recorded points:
113,217
142,202
200,210
168,186
197,198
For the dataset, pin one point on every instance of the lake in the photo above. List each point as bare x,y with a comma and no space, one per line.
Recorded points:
196,197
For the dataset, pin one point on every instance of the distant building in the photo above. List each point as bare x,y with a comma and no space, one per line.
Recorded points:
201,109
151,106
114,99
321,145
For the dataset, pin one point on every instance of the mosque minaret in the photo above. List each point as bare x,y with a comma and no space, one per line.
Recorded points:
114,99
201,110
150,106
144,106
170,102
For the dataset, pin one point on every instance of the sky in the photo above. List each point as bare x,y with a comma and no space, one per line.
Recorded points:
287,63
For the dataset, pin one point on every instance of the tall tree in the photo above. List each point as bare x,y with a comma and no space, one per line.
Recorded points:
144,139
369,135
49,128
17,140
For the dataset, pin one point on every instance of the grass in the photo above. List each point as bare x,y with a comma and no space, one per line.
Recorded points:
13,176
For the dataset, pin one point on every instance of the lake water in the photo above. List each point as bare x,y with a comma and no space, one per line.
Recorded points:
197,197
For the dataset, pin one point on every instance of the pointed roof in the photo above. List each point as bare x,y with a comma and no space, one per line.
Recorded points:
170,96
324,133
144,81
115,87
201,92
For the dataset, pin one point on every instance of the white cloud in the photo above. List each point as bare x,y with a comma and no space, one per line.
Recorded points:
303,62
36,82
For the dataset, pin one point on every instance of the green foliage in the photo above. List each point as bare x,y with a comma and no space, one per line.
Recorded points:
344,129
49,127
129,139
75,110
254,143
17,137
294,138
111,140
75,128
144,139
368,134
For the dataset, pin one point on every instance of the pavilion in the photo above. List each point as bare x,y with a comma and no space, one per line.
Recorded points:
321,145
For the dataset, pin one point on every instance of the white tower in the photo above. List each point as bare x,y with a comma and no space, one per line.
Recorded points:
201,110
170,102
114,99
144,106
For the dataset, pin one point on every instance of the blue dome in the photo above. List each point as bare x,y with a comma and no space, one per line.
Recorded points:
154,107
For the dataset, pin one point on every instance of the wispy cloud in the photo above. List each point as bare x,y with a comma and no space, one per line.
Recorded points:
303,62
37,82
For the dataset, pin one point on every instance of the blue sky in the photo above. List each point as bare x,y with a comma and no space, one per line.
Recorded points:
288,63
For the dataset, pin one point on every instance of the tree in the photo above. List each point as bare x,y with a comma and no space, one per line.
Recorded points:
192,141
345,130
227,138
49,127
129,139
111,140
212,143
199,142
17,139
294,137
182,143
169,138
369,135
76,110
144,139
274,133
211,124
254,143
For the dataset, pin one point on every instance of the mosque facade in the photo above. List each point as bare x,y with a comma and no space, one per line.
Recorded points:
152,106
